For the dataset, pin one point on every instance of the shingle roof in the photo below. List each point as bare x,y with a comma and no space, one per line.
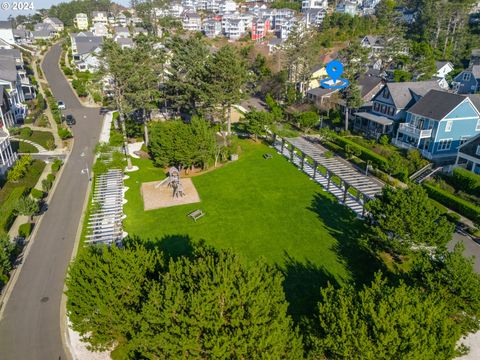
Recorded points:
8,70
437,104
402,93
319,91
441,64
5,25
15,53
56,20
368,83
476,71
470,147
475,99
86,44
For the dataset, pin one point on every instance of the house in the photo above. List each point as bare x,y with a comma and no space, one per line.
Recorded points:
191,21
6,32
99,17
86,52
260,28
7,155
385,105
141,31
212,27
320,96
44,31
227,6
468,81
81,21
233,28
121,20
368,6
22,36
475,57
376,44
124,42
28,89
314,17
443,68
468,155
55,23
11,82
120,31
347,7
274,45
438,124
100,29
314,4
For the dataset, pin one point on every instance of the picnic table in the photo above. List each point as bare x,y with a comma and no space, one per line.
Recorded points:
197,214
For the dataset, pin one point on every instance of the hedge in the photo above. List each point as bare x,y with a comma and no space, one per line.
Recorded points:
365,154
465,180
453,202
25,230
37,194
7,207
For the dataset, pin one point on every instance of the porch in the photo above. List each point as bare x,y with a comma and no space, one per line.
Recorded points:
372,125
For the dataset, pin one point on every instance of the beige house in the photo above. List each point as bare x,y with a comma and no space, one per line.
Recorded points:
81,21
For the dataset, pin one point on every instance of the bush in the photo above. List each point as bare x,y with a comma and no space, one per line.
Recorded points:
453,217
25,230
465,180
64,133
7,207
37,194
116,138
14,131
453,202
67,71
19,169
51,177
26,132
46,185
40,102
56,165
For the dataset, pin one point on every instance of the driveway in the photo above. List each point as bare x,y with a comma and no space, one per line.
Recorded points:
31,324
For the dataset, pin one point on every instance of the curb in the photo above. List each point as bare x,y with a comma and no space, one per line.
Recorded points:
16,272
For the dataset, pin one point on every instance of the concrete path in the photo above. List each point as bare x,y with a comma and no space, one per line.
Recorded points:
34,323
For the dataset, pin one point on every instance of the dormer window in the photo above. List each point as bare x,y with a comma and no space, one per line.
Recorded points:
386,93
466,76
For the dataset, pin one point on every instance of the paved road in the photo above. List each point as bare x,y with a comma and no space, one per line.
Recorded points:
472,248
30,328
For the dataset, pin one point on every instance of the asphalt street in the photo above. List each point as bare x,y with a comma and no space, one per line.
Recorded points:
30,328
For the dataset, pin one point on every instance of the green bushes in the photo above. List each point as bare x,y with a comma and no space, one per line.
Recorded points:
67,71
453,202
465,180
64,133
80,87
26,132
41,105
56,165
365,154
7,207
19,169
25,230
37,194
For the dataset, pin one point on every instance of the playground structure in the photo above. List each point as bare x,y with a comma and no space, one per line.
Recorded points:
173,181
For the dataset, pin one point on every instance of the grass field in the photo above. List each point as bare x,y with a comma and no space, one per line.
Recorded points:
43,138
258,208
23,147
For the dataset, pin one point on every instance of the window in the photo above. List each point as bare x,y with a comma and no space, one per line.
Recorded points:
477,127
448,126
464,139
478,150
386,93
466,76
384,109
391,111
444,144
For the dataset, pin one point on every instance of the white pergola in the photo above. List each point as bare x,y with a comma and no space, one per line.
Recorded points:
309,156
105,224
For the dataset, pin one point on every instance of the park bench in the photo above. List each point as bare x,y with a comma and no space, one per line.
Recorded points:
267,156
197,214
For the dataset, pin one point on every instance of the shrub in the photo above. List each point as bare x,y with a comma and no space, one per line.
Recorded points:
56,165
19,169
116,138
48,93
64,133
26,132
25,230
51,177
67,71
453,202
40,102
37,194
384,140
14,131
453,217
465,180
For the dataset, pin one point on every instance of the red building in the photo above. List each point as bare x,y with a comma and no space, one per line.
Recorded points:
260,28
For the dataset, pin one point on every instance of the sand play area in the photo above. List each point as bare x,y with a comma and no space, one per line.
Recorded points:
156,197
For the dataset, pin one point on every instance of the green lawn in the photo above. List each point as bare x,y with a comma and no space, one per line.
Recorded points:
258,208
43,138
23,147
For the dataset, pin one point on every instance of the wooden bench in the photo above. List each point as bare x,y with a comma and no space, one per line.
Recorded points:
197,214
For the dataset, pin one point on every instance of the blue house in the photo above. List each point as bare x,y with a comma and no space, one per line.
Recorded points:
438,124
468,81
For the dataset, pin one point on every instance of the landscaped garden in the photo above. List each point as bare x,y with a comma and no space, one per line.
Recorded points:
258,208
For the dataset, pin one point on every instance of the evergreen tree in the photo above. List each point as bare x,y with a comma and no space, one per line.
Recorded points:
216,307
382,322
404,218
27,206
353,100
106,287
258,122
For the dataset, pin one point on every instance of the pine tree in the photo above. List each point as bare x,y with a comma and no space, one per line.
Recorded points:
216,307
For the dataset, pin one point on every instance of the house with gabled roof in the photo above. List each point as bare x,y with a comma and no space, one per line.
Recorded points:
438,124
468,81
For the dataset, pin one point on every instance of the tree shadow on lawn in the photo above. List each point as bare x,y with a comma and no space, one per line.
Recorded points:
172,246
347,229
302,284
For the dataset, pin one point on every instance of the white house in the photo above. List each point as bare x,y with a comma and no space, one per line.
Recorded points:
99,17
81,21
191,21
100,29
443,68
314,4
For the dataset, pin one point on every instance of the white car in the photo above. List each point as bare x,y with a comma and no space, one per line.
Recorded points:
61,105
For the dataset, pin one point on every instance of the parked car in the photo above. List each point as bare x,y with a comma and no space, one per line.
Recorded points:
70,120
61,105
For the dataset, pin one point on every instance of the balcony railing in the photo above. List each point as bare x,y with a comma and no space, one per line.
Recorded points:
411,130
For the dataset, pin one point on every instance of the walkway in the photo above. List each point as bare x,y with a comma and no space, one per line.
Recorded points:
337,176
39,147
